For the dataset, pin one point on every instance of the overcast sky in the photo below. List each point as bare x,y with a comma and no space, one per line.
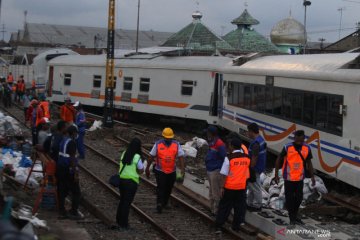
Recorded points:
171,15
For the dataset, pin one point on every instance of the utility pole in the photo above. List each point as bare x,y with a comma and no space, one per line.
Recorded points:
306,3
110,67
341,9
137,28
3,31
322,40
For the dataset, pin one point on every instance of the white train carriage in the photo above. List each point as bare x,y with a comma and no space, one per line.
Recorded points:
317,93
172,86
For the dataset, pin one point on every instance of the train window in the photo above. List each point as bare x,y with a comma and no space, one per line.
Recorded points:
144,84
269,100
187,88
317,110
321,102
97,81
296,101
259,98
277,101
230,93
247,97
308,108
128,83
286,104
335,119
67,79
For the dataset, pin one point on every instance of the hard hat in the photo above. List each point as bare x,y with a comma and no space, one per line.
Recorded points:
168,133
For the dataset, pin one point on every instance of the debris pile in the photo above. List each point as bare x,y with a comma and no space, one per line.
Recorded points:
274,194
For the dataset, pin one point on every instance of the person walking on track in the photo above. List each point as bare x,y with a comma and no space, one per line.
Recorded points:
235,172
131,166
296,158
257,154
164,153
213,162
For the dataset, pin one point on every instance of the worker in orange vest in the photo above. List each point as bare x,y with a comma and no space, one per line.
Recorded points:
21,88
235,171
45,106
68,112
296,158
164,153
35,115
33,87
10,78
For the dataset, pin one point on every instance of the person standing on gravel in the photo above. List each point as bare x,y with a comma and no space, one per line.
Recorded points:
130,167
296,158
67,173
235,172
257,154
67,112
213,162
80,121
164,153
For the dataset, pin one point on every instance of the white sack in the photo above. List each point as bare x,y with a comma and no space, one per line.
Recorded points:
189,151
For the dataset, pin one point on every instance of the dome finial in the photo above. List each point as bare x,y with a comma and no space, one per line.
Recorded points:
197,15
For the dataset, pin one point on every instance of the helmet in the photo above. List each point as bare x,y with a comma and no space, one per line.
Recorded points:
168,133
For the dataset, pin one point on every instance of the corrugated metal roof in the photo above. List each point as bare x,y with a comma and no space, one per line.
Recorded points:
84,36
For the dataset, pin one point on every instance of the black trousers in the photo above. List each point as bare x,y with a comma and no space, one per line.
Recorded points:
232,199
293,197
34,134
66,185
127,193
165,183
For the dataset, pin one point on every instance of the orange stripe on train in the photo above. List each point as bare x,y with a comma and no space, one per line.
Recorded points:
134,100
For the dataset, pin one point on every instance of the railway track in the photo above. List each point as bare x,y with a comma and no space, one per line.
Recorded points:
198,225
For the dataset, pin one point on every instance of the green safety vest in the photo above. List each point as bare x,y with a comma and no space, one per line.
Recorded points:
129,171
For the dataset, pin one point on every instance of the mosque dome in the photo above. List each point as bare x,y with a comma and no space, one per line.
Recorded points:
288,31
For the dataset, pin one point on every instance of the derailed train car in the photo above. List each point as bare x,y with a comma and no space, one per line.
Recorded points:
317,93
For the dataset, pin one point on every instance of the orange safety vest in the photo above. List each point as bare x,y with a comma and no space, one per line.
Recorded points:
46,109
10,78
67,113
293,167
166,157
39,115
239,172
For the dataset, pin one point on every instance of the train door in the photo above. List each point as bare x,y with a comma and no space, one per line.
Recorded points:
216,104
50,81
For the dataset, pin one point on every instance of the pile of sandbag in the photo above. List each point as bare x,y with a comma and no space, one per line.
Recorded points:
191,148
18,165
274,194
9,126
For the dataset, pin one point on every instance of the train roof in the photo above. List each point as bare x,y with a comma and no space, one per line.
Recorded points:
213,63
342,67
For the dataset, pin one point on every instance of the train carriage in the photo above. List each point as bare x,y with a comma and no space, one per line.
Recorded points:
317,93
179,87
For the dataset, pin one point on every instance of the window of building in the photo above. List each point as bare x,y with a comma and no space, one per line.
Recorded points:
128,81
144,84
97,81
187,88
67,79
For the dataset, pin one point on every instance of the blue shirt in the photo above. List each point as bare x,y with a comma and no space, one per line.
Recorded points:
80,121
261,160
215,156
